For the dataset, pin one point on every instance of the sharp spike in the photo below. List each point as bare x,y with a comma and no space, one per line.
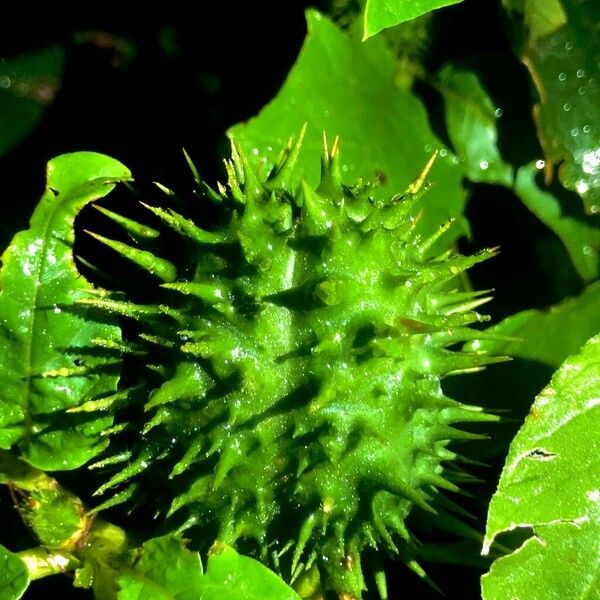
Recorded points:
282,176
253,188
190,381
114,430
303,537
417,184
189,457
464,413
234,182
439,482
192,167
159,341
446,432
211,194
119,498
164,189
434,237
159,267
132,469
416,568
115,459
330,184
118,345
316,219
134,229
222,189
185,227
161,415
126,309
236,161
211,293
464,307
103,404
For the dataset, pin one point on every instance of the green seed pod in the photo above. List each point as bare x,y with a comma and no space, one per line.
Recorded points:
293,396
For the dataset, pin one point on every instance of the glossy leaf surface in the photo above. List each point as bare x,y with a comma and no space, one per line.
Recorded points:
47,360
550,485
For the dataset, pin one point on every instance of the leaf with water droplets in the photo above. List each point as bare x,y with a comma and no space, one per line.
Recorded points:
559,43
471,120
550,485
47,363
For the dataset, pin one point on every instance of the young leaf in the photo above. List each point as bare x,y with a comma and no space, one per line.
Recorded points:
14,578
342,87
44,368
381,14
550,484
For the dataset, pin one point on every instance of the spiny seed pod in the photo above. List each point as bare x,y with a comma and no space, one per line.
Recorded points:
294,357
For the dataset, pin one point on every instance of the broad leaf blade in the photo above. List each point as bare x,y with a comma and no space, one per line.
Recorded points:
43,335
550,484
381,14
559,43
28,84
14,577
166,570
342,87
230,575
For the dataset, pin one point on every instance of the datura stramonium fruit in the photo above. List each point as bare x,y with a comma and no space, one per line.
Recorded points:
292,398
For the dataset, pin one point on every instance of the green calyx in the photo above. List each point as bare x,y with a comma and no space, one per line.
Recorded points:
292,369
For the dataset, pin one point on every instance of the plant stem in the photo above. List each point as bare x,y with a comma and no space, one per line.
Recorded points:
42,562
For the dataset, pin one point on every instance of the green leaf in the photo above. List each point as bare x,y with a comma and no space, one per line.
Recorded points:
231,576
28,84
550,484
559,42
381,14
471,120
47,364
14,577
166,570
345,88
579,233
547,336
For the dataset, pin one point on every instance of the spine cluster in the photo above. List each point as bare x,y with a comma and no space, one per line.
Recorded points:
292,398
